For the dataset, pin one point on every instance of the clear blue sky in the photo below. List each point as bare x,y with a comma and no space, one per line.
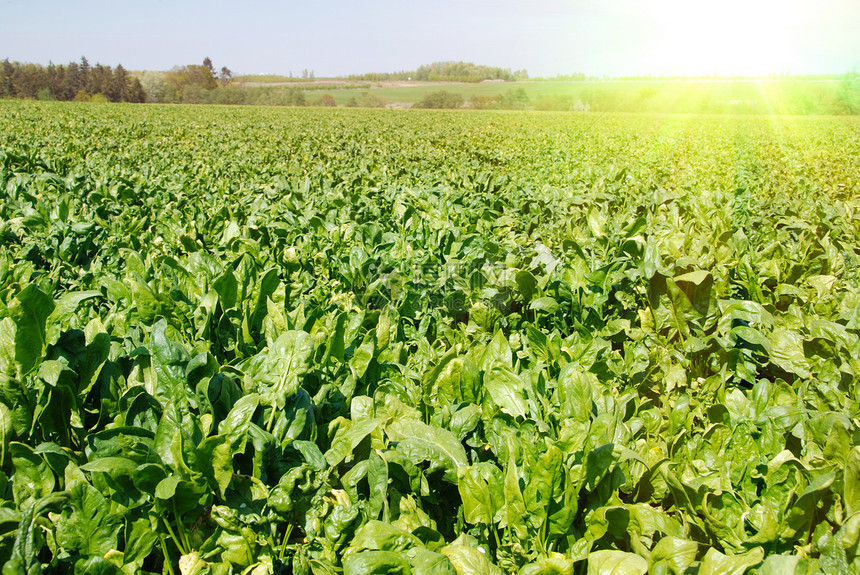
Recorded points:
547,37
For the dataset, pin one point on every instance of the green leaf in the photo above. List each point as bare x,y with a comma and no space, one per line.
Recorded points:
545,304
527,284
715,563
556,565
577,392
786,351
457,381
347,439
437,384
33,479
497,354
216,454
426,562
234,427
227,288
362,357
169,359
376,563
475,492
282,367
6,432
697,286
609,562
506,391
24,557
87,524
515,505
651,258
64,310
96,566
538,344
421,442
311,453
674,554
779,565
377,483
30,311
140,539
337,338
468,559
383,536
851,482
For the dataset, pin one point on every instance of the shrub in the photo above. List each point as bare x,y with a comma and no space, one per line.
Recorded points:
326,100
440,99
369,100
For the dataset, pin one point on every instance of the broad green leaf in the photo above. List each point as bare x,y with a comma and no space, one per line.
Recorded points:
64,310
33,479
140,539
786,351
497,354
437,383
425,562
555,565
515,505
347,439
538,344
169,359
377,483
362,357
608,562
24,556
697,286
468,559
234,427
87,524
376,563
478,504
311,453
216,454
576,392
283,366
506,391
779,565
651,259
421,442
674,554
6,431
383,536
227,287
715,563
30,311
527,284
545,304
336,340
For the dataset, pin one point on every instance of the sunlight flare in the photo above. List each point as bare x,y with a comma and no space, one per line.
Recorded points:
734,37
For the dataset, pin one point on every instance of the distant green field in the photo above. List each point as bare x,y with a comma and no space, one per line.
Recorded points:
661,96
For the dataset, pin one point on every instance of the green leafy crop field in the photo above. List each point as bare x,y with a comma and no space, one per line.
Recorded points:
244,340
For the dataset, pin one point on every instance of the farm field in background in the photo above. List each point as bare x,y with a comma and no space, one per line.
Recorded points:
263,340
710,96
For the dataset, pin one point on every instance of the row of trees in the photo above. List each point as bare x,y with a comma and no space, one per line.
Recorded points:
186,84
448,71
75,81
513,99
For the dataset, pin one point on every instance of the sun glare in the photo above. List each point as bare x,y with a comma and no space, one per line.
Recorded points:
731,37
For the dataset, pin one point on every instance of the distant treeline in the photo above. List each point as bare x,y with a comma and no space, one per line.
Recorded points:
448,72
76,81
